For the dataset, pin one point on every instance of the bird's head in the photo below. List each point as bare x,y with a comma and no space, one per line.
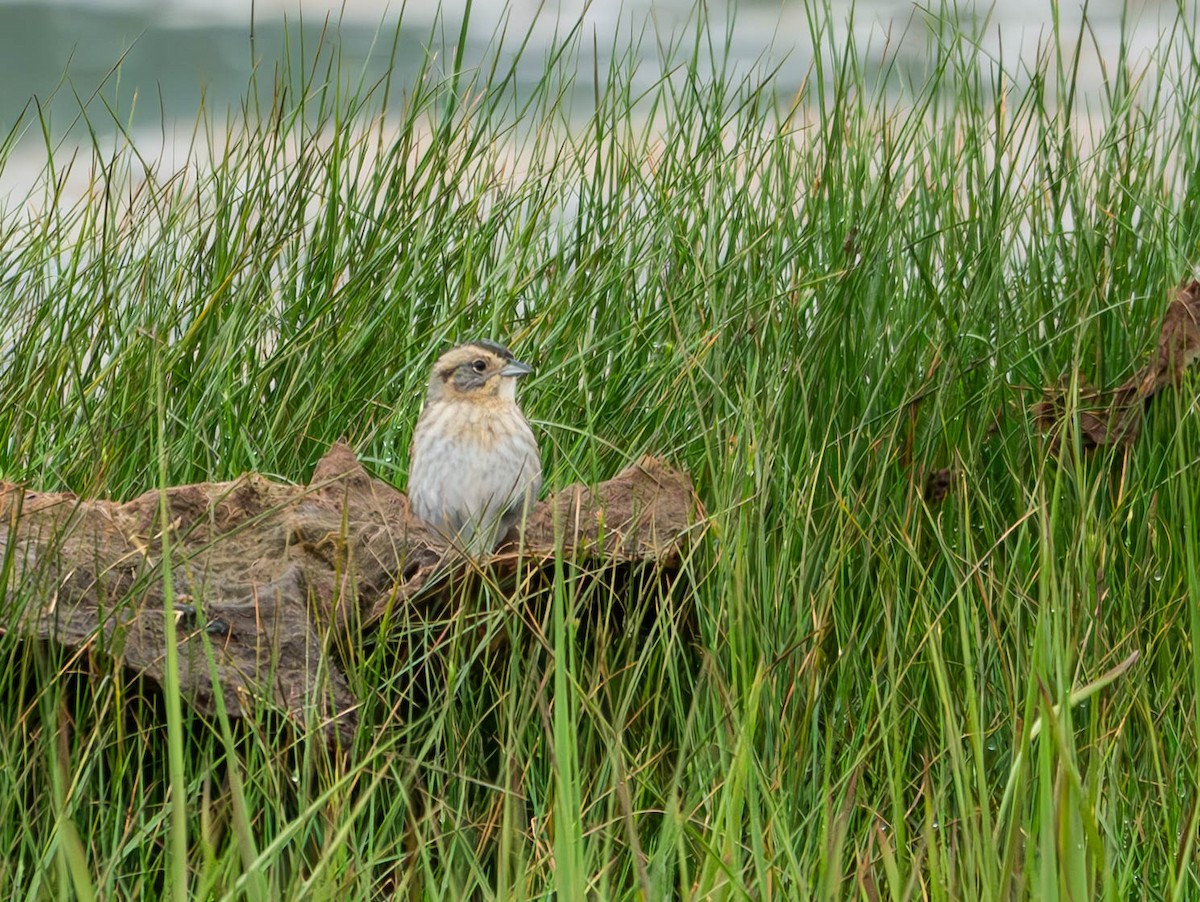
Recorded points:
481,370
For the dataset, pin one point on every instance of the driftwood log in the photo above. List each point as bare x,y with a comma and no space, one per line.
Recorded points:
1115,417
260,570
1109,418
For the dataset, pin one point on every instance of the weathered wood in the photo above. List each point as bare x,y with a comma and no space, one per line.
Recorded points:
262,569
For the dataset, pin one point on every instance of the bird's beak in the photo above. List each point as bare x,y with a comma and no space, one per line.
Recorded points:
516,368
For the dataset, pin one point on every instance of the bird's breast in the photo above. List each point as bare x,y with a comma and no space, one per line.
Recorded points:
470,464
483,429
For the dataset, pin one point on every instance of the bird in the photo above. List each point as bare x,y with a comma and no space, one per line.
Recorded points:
474,468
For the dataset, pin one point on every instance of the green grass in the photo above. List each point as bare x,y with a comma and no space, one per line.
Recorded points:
848,693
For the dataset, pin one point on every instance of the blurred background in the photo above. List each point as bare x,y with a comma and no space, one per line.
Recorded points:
151,65
174,52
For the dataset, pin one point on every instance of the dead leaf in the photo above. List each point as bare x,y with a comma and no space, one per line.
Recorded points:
1105,418
937,485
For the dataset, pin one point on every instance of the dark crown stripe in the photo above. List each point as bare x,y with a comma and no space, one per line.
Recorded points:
494,348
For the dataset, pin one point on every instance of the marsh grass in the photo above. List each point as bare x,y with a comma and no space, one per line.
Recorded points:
811,303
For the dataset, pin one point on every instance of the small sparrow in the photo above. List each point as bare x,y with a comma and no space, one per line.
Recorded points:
474,468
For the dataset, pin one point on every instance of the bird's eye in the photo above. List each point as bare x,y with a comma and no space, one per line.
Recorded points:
479,366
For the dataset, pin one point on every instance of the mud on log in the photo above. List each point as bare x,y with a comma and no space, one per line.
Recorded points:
261,569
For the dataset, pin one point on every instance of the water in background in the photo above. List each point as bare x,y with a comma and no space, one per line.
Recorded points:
57,56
